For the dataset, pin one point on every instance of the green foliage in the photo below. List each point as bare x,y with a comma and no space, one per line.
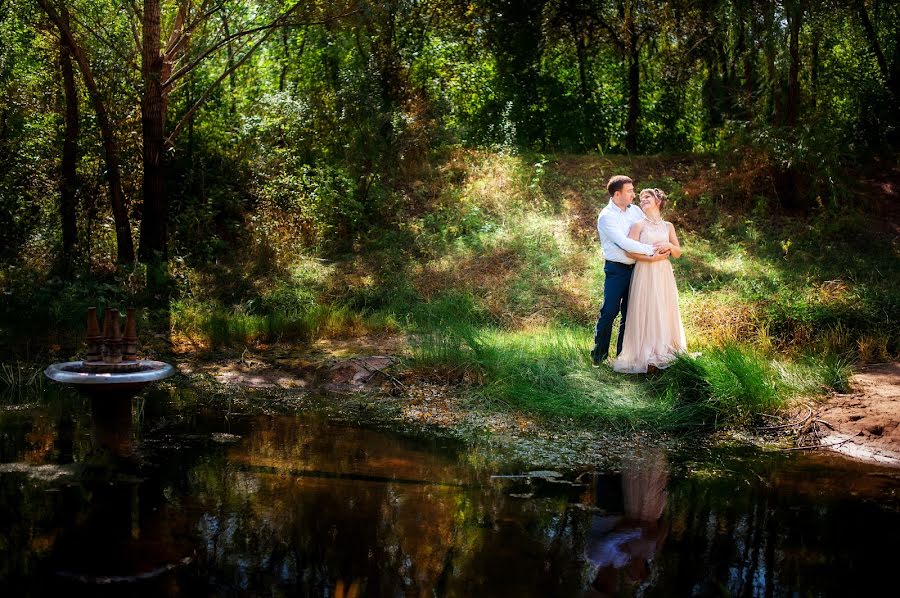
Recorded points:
321,202
835,372
724,386
547,372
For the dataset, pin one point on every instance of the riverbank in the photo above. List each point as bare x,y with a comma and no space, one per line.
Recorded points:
376,382
363,384
864,423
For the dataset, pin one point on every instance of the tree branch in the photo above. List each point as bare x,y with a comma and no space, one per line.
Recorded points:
132,22
203,98
268,29
613,34
178,25
172,49
106,41
193,64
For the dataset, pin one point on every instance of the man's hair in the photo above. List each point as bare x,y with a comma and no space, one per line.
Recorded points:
616,183
658,194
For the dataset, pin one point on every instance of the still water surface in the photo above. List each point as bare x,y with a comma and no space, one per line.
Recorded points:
181,496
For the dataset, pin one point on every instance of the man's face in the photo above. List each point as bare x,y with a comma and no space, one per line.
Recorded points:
625,196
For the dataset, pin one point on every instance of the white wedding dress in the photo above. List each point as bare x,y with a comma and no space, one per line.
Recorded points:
654,334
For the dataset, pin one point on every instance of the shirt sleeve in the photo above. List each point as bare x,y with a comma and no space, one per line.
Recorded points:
607,227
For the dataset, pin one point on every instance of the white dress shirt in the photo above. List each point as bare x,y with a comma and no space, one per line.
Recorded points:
613,225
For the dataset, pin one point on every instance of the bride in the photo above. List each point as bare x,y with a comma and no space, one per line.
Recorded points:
654,334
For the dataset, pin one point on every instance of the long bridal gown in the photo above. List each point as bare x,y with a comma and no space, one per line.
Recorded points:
654,334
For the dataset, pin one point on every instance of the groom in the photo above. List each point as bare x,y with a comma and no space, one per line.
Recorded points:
613,224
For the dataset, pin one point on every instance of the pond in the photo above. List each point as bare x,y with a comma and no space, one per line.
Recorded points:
178,495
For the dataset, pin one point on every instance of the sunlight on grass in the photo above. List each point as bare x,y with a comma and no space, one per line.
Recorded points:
547,371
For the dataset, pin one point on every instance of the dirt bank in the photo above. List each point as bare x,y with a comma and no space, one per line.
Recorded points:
866,422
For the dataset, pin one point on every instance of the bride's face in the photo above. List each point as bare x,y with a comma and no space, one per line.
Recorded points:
648,202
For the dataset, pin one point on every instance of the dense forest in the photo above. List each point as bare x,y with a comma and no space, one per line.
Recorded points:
263,171
170,125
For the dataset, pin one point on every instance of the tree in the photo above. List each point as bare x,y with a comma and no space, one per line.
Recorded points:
69,180
124,244
162,66
627,25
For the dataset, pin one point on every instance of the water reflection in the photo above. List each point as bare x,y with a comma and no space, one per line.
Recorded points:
623,542
194,499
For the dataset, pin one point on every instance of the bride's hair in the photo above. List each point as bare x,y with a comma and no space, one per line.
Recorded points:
658,194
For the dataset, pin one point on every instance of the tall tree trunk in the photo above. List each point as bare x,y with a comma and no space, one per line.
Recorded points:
153,121
749,70
795,21
890,73
229,50
69,186
814,67
634,89
774,107
124,244
872,38
712,96
586,111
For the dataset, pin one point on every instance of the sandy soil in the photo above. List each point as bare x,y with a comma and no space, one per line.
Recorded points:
867,421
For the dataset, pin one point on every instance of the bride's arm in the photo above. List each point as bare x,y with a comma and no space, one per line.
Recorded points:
673,240
635,233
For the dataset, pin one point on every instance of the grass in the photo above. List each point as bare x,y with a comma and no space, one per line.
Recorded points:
547,371
21,381
218,327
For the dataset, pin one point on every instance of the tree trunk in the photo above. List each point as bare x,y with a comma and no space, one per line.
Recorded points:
872,38
124,244
229,50
792,109
891,74
586,112
814,67
634,88
712,96
770,51
69,186
153,121
749,78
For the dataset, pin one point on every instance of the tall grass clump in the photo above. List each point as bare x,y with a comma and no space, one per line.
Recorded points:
20,375
725,386
547,372
835,372
21,382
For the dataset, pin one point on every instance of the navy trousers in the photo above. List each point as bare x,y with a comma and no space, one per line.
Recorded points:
615,299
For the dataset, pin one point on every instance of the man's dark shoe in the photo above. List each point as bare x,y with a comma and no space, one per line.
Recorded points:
596,360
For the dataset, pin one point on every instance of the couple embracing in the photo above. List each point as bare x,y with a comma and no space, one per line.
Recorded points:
637,245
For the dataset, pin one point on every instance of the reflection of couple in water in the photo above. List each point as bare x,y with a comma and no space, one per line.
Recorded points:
620,548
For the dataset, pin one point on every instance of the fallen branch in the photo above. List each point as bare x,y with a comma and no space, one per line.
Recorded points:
383,373
795,424
813,447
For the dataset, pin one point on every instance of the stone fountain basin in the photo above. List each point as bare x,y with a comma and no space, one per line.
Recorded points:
84,377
